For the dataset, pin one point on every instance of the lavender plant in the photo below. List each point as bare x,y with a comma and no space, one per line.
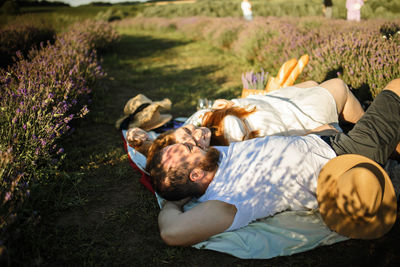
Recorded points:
21,37
389,30
254,80
39,96
362,56
358,50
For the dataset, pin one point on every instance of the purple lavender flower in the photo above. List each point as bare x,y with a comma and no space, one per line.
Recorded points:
43,142
7,197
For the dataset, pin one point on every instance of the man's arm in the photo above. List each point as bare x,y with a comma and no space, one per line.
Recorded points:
178,228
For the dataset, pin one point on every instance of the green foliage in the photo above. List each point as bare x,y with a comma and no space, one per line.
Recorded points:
207,8
110,15
39,97
10,8
22,37
276,8
363,55
389,30
94,212
60,17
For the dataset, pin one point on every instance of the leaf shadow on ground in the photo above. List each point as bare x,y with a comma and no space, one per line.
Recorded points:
140,46
161,78
114,220
108,210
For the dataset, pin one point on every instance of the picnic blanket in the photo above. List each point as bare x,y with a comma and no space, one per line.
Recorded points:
283,234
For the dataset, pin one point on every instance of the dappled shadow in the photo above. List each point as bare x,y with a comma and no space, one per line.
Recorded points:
269,176
183,87
37,10
136,47
333,73
160,79
363,94
277,185
363,224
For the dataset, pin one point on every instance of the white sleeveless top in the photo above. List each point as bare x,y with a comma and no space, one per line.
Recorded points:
264,176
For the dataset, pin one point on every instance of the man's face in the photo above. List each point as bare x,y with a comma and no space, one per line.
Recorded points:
185,155
197,136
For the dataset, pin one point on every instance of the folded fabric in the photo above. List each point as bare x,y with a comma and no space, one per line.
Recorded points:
283,234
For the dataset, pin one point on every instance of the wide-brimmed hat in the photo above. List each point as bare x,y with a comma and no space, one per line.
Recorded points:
356,197
141,112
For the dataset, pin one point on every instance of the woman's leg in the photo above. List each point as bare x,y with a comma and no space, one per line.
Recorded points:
348,107
306,84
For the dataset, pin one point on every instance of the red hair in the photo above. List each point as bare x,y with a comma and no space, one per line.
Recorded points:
214,121
163,140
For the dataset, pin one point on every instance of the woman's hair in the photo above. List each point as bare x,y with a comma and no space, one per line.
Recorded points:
165,139
214,120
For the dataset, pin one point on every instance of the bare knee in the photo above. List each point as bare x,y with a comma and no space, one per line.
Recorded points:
333,83
311,83
394,86
338,90
306,84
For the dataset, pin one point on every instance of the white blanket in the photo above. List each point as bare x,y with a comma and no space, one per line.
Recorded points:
283,234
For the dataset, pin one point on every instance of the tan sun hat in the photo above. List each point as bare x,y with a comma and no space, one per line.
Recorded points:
146,113
356,197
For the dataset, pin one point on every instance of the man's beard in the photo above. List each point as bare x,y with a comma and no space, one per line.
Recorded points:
210,162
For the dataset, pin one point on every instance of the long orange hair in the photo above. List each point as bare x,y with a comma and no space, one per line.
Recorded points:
163,140
214,120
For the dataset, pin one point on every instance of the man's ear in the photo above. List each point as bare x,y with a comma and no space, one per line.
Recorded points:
196,174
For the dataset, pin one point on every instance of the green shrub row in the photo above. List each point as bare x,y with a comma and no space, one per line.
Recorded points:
21,37
277,8
39,96
364,55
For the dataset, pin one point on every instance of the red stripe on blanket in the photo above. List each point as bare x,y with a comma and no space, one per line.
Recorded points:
145,179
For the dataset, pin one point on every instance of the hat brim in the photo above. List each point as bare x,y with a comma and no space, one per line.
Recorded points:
160,121
119,121
164,104
359,228
150,118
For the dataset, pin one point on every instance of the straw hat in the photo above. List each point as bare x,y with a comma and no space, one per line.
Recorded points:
141,112
356,197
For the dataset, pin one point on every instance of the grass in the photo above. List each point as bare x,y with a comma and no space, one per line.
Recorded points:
100,215
60,17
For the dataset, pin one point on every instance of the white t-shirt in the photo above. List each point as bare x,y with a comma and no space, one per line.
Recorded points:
264,176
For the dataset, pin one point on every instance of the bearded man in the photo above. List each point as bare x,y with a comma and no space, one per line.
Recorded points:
260,177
